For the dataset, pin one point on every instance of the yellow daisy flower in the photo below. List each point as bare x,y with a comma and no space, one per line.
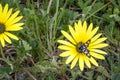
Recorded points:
83,45
8,22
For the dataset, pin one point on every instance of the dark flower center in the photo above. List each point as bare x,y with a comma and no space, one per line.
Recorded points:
82,48
2,28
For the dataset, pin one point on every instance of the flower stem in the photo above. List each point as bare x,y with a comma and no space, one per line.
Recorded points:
1,51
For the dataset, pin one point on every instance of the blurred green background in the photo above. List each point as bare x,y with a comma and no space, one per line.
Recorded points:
36,56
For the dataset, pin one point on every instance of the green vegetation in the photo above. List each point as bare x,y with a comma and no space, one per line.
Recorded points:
36,56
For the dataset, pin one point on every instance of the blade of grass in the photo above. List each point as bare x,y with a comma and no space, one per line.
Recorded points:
97,10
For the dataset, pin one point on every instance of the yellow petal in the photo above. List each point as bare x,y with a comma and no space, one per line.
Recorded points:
12,17
7,39
15,27
68,37
93,61
64,47
80,24
8,14
98,56
96,37
65,54
11,35
84,27
77,28
87,62
2,40
1,17
74,61
16,19
0,9
81,62
102,45
69,59
98,51
89,30
65,43
83,32
93,32
72,31
98,41
78,31
5,9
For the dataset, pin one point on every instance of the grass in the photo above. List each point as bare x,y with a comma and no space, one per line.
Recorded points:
36,56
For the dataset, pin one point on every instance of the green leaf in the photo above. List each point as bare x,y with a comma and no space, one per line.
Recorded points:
90,75
54,62
101,78
115,76
5,69
82,4
44,67
26,45
97,6
103,71
86,10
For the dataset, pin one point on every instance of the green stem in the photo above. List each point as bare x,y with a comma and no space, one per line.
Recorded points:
56,14
48,9
59,19
1,51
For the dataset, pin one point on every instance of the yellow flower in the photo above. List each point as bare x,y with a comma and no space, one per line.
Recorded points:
8,22
83,45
